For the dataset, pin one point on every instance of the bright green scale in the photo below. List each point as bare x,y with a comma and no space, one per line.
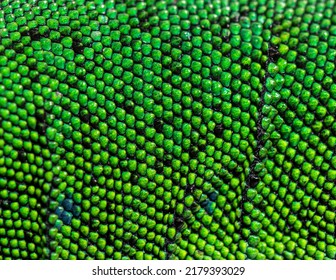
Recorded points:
167,129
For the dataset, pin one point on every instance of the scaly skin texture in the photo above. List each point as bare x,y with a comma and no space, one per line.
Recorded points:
167,129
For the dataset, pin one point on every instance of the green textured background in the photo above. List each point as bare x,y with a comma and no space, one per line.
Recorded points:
167,129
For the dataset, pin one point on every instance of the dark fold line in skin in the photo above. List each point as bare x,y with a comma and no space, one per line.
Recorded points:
253,178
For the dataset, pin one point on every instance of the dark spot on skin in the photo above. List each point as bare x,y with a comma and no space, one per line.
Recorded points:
94,123
129,107
132,241
140,130
86,143
41,128
217,47
244,12
93,180
119,90
312,239
56,181
175,180
40,115
193,152
35,79
276,22
4,203
202,147
226,39
234,18
218,131
323,172
326,85
167,160
22,156
20,105
66,106
18,48
301,62
190,189
46,34
168,210
178,222
84,116
35,34
25,32
196,98
264,64
235,172
158,125
254,180
78,47
134,178
29,236
218,107
159,167
123,167
273,53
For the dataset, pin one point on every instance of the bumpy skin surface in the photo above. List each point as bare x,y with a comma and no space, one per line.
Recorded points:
167,129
